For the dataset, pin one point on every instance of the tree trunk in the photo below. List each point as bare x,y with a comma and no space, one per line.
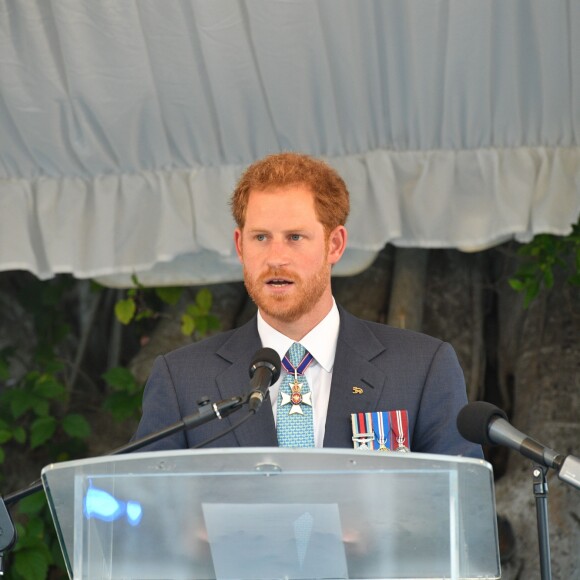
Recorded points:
408,288
539,368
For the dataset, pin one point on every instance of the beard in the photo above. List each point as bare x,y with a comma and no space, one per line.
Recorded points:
306,293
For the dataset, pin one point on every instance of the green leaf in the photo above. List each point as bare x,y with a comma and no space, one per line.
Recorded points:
20,402
4,370
31,563
548,278
49,388
19,435
123,406
35,528
20,531
516,284
187,324
213,322
201,325
120,379
169,295
40,407
41,431
95,286
32,504
77,426
194,310
204,300
146,313
125,310
5,435
532,290
136,282
53,366
2,455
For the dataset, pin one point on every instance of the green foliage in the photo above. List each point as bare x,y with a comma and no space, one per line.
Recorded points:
197,318
36,550
35,416
125,310
124,399
35,409
75,425
541,257
33,412
170,295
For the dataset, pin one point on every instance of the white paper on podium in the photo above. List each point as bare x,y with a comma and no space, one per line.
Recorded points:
272,540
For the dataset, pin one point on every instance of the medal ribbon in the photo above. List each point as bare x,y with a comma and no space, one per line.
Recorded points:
381,430
382,439
399,421
362,431
302,366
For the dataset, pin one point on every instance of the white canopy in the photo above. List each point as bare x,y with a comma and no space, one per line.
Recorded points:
125,124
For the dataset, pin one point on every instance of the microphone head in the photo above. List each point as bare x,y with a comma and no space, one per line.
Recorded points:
266,357
473,421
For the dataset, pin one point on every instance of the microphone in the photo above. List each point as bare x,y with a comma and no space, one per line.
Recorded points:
484,423
264,371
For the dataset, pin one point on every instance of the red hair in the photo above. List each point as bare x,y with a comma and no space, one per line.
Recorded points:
331,197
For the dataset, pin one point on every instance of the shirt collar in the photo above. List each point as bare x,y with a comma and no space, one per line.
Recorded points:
320,342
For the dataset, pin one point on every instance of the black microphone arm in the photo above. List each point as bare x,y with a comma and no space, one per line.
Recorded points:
484,423
264,371
206,412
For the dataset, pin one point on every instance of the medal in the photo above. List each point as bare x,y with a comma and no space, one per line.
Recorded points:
400,428
363,436
297,397
383,431
381,419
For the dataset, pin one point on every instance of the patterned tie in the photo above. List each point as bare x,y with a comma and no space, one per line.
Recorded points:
294,415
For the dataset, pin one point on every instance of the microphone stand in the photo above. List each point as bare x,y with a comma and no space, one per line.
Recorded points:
540,485
482,422
206,412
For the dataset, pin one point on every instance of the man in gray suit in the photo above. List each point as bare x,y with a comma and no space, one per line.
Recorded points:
291,211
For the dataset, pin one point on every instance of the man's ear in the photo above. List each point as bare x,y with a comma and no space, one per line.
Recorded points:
336,244
238,242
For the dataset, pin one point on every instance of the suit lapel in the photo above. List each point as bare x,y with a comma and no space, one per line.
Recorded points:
260,430
356,382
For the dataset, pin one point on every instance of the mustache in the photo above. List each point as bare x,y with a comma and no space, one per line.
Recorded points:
281,273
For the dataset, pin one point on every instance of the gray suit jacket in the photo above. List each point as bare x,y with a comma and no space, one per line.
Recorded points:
396,369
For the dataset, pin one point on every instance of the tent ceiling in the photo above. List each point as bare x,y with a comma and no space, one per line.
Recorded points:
124,125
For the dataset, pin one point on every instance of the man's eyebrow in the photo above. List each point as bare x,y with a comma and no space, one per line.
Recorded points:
297,230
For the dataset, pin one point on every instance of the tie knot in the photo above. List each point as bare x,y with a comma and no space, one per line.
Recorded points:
296,354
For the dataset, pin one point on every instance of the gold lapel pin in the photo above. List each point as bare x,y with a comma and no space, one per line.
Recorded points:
357,391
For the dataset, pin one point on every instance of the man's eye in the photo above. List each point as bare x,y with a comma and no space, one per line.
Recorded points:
261,237
295,237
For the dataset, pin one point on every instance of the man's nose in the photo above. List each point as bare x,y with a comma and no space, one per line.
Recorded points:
277,254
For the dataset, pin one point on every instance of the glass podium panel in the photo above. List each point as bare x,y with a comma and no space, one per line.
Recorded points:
275,513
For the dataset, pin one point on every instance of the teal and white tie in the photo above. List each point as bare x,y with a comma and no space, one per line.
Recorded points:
294,421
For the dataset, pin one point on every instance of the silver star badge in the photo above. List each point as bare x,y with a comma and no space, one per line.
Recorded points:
296,398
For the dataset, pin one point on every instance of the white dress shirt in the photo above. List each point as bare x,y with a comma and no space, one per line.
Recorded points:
320,342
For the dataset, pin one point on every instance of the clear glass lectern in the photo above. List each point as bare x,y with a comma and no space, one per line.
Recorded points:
266,513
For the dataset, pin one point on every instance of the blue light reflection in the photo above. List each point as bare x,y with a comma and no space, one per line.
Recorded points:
103,506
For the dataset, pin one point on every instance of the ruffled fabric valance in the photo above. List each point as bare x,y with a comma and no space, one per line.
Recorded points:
125,125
